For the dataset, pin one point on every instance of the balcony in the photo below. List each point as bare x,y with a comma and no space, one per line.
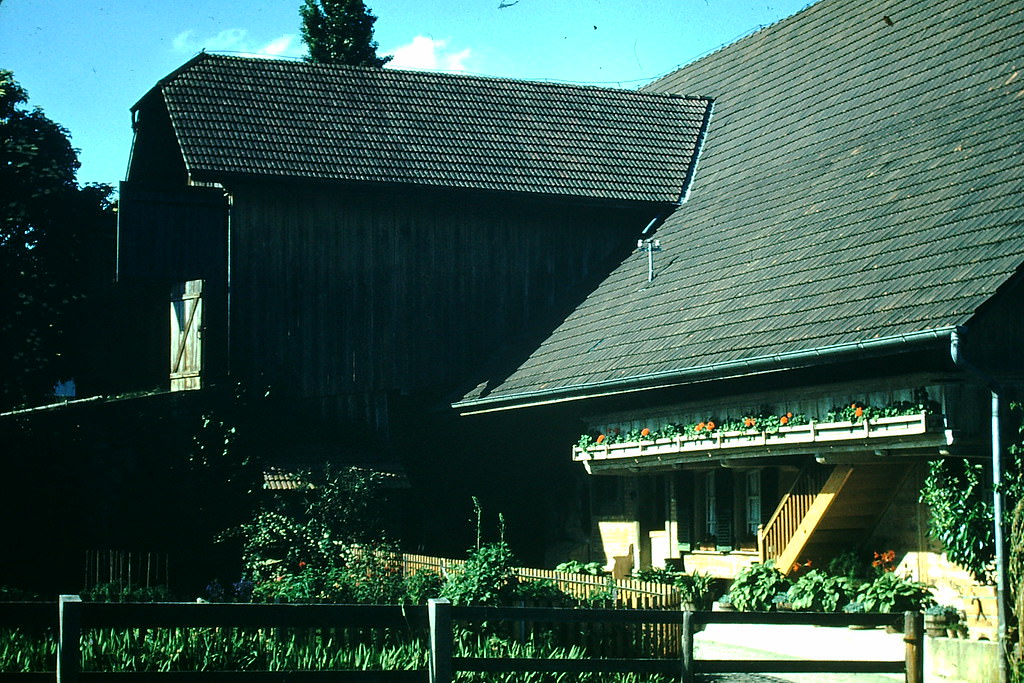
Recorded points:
878,436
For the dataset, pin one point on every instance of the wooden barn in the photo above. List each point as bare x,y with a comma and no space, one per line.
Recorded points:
831,308
361,240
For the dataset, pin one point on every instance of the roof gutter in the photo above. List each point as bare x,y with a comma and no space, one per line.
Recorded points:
676,377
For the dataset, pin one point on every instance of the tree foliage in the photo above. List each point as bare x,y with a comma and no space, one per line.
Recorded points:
56,243
958,493
340,32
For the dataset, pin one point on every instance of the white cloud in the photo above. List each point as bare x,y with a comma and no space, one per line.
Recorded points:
428,54
238,40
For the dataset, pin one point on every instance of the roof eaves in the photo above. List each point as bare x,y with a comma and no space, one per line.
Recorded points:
722,370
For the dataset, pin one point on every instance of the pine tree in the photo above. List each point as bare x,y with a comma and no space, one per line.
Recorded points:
340,32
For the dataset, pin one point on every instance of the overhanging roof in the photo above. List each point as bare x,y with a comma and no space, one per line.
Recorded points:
860,185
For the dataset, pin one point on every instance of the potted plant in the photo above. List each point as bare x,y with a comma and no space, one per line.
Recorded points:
940,619
724,604
694,590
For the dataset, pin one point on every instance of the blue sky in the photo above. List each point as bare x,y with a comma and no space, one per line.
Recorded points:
86,62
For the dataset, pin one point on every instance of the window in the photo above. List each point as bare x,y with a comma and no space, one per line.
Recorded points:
753,501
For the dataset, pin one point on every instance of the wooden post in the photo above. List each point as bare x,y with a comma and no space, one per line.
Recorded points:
439,613
913,636
687,645
69,653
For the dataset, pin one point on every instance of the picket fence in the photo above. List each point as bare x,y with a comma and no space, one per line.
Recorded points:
622,593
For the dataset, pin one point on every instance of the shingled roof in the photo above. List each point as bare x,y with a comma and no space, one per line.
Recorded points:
861,184
271,118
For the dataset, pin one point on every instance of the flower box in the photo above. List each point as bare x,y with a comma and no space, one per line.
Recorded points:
876,431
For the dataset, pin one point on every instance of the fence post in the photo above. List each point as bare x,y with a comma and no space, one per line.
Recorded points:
913,636
439,613
69,653
687,644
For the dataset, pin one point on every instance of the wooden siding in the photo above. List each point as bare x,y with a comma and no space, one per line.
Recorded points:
171,235
348,297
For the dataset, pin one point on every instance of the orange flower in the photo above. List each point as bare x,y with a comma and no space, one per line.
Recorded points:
853,405
795,567
600,439
645,432
789,415
748,421
784,419
711,425
859,412
700,427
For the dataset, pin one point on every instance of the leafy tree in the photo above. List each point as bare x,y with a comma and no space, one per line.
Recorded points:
56,244
340,32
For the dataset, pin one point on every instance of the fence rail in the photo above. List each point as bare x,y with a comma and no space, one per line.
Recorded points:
439,616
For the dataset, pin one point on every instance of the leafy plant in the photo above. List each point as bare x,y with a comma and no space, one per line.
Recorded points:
816,591
487,578
755,586
119,591
422,585
577,567
893,593
960,513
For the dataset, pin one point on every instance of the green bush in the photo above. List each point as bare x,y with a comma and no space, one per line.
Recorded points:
816,591
422,585
756,586
487,578
892,593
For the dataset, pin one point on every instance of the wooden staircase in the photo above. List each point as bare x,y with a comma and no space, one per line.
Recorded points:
828,510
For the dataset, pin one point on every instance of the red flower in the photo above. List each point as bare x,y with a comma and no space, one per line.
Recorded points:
600,439
645,432
301,564
711,425
784,419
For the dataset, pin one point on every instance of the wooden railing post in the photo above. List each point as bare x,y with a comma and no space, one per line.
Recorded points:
687,646
439,614
69,653
913,636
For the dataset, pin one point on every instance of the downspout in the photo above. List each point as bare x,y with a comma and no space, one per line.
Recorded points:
961,361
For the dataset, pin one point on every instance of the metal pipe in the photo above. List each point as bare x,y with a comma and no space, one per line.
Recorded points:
961,361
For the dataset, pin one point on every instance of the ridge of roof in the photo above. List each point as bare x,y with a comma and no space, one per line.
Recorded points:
239,116
860,180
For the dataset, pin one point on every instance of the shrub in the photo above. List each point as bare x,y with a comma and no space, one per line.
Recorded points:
816,591
487,578
755,586
423,585
893,593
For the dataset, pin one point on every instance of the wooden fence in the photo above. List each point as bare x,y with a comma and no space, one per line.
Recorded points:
439,618
626,593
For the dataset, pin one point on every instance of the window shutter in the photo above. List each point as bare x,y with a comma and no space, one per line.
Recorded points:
186,338
724,508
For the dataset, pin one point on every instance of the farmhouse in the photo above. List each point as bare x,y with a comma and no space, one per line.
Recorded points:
767,375
758,295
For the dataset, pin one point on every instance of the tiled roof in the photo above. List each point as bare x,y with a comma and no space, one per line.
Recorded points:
861,181
274,118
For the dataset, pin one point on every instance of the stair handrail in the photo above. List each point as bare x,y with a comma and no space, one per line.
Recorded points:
774,535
